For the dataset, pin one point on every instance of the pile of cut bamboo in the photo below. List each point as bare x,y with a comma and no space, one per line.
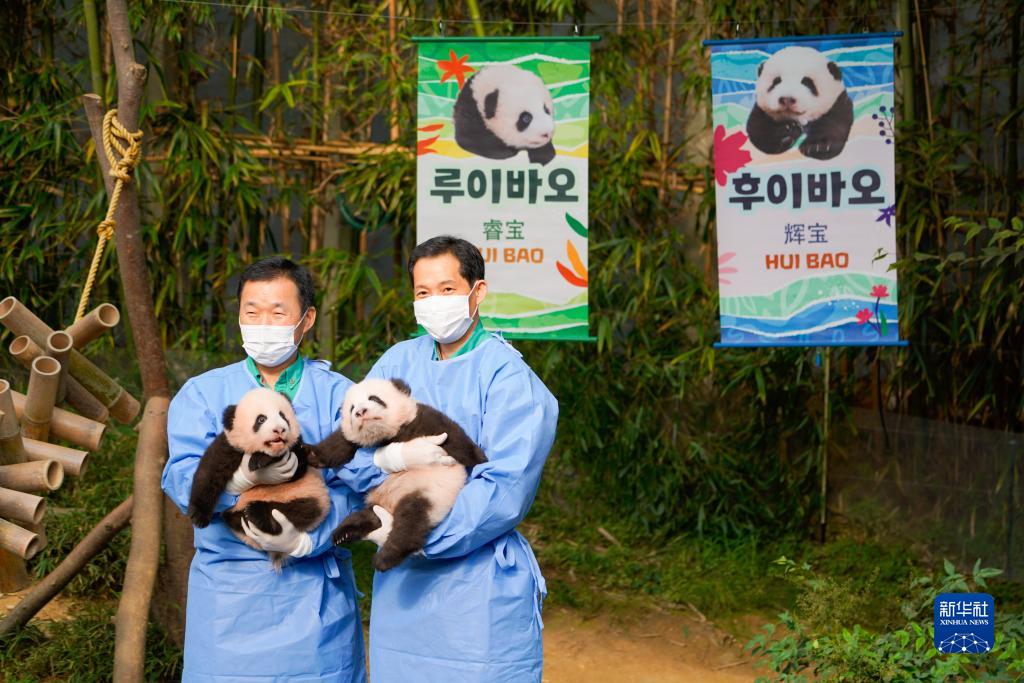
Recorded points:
68,399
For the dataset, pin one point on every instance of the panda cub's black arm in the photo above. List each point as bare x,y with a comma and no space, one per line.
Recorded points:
429,421
218,463
334,451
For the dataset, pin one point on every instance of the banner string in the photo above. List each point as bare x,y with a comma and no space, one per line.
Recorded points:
568,24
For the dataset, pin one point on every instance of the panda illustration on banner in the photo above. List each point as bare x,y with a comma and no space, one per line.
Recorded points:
800,91
503,110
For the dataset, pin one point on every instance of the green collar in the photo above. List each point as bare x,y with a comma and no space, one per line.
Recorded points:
288,382
475,339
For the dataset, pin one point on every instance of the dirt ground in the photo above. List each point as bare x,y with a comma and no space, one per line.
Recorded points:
659,646
671,646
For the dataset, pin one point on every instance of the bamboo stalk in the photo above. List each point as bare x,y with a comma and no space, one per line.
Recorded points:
20,320
43,381
97,321
58,347
21,506
90,546
19,541
79,430
26,351
72,460
144,556
12,449
92,29
31,477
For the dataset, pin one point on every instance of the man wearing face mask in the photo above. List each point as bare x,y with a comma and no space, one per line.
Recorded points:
243,620
467,608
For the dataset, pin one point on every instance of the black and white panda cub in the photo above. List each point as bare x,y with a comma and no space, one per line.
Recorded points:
263,425
502,110
800,91
377,412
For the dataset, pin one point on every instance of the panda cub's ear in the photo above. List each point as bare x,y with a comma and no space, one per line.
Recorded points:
228,418
491,104
836,72
402,386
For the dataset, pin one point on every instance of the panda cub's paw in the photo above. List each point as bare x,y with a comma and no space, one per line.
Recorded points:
789,134
821,148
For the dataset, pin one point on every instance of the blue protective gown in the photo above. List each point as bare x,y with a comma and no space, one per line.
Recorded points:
243,621
469,608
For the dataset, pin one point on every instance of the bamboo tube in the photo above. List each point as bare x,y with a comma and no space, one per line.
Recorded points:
21,542
11,448
40,398
90,546
58,347
31,477
79,430
21,506
26,351
97,321
122,405
72,460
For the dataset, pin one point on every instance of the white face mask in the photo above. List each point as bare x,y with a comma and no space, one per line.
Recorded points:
445,317
270,345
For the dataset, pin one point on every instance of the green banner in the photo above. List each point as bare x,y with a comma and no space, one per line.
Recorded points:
503,140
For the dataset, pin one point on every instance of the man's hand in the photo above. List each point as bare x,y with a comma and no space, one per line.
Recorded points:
380,535
421,452
290,540
275,473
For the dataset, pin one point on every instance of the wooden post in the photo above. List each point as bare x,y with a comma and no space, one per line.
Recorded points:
144,556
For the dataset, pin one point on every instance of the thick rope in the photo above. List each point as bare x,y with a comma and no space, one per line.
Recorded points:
121,170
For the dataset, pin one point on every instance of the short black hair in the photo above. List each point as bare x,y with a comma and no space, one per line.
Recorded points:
277,266
471,262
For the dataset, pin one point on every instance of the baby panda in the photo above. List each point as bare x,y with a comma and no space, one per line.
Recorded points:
800,91
377,412
502,110
262,425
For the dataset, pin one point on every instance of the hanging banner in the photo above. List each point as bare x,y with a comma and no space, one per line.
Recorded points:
503,129
805,190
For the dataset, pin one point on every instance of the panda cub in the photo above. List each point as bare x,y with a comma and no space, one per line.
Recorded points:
502,110
377,412
800,91
262,425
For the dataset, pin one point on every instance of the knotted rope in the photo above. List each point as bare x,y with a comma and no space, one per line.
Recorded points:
123,157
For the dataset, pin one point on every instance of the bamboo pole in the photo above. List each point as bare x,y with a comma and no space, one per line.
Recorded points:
13,575
26,351
72,460
21,506
144,556
22,542
43,381
20,320
92,29
58,347
12,449
81,431
90,326
32,477
90,546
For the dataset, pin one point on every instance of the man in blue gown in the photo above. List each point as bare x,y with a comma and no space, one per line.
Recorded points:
244,622
468,608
